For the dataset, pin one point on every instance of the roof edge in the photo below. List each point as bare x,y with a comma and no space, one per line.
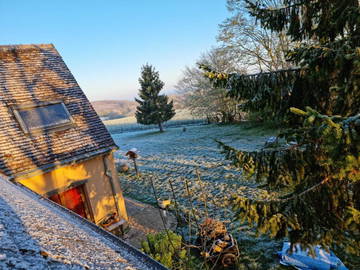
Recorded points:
146,259
4,48
52,166
118,242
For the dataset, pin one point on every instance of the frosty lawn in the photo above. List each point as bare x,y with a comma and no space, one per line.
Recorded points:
175,155
126,124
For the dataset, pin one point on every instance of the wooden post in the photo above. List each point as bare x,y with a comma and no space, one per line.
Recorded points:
135,166
133,156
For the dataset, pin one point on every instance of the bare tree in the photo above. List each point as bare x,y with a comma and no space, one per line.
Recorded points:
201,97
251,46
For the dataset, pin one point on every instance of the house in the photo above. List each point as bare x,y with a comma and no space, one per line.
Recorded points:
36,233
51,139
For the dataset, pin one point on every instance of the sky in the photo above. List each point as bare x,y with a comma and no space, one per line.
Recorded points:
105,43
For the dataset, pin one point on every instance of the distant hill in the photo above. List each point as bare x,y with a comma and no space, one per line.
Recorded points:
111,109
178,101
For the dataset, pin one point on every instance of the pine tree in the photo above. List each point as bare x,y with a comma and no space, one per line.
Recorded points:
153,108
314,176
325,57
328,50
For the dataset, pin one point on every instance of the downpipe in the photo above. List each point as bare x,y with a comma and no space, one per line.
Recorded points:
111,181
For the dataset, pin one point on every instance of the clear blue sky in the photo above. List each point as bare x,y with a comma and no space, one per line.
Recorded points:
105,43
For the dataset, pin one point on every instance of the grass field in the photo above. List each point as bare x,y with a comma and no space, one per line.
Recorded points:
182,118
176,156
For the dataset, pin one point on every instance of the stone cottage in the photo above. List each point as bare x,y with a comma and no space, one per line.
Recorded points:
51,139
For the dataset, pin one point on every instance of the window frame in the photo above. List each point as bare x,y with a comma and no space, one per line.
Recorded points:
81,185
27,130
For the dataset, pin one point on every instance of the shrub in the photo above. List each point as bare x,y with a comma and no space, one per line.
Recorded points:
166,248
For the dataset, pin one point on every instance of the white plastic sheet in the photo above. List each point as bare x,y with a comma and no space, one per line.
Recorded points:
300,259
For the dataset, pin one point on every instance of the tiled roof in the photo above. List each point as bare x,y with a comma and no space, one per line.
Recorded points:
37,73
35,233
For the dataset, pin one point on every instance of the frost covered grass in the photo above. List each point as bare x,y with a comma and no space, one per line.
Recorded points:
178,156
182,117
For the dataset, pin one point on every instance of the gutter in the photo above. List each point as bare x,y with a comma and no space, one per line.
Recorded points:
58,164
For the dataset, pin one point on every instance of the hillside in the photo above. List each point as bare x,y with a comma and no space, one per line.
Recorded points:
122,108
114,107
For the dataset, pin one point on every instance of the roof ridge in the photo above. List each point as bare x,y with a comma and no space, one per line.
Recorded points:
26,46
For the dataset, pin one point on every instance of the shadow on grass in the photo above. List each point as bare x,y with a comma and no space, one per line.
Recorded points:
254,129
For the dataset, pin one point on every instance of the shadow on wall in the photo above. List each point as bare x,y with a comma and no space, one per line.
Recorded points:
100,194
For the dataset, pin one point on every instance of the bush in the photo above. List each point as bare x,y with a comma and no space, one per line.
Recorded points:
166,248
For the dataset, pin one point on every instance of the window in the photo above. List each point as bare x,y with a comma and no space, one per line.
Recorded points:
43,116
74,200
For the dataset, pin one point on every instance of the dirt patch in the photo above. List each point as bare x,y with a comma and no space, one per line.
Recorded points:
145,219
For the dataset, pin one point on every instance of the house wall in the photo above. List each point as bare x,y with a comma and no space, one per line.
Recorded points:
97,187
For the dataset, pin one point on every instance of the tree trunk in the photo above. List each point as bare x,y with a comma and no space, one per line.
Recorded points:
161,127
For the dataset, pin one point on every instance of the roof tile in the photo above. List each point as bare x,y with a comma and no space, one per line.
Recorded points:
37,73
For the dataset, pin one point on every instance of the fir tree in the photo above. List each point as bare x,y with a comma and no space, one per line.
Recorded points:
153,108
316,172
325,57
327,33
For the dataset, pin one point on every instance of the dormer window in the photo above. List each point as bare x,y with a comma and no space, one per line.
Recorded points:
43,116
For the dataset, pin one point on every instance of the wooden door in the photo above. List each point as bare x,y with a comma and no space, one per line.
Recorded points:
73,199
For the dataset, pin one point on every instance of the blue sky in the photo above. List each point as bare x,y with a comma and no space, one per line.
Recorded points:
105,43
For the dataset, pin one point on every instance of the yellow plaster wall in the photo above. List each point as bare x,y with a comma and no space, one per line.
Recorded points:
115,176
97,187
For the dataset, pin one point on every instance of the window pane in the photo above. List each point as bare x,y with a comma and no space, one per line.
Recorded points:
46,116
72,199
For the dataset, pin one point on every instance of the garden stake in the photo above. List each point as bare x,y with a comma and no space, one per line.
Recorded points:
191,203
189,223
162,218
215,263
203,190
192,210
188,248
175,201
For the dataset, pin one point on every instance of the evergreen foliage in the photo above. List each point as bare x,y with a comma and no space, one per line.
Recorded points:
167,248
153,108
316,171
326,60
269,94
317,177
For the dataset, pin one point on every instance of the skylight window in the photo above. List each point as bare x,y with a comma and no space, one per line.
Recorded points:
44,116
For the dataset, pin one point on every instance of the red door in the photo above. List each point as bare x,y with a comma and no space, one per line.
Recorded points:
72,199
